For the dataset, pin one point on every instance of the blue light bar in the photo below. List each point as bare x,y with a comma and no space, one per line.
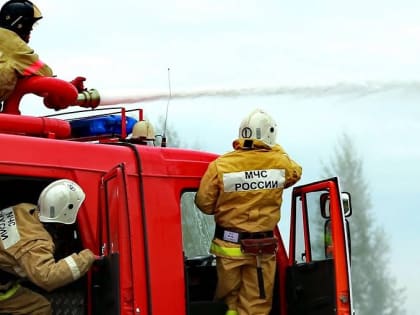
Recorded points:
102,125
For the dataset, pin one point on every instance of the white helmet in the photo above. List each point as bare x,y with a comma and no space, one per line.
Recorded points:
259,125
143,130
60,201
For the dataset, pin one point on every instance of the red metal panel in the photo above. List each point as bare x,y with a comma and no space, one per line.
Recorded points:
282,263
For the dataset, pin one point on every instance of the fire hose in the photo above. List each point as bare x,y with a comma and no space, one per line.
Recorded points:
56,93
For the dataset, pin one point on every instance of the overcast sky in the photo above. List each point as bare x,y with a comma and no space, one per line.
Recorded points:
320,68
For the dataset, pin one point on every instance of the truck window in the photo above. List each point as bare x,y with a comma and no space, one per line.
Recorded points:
316,230
17,189
200,269
300,240
316,226
197,227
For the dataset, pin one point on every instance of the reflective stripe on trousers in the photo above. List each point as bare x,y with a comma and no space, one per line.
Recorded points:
9,293
226,251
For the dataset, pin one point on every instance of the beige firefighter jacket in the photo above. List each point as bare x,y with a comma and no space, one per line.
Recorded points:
17,59
243,188
27,250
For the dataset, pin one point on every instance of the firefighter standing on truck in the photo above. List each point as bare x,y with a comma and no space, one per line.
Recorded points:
27,249
19,61
243,190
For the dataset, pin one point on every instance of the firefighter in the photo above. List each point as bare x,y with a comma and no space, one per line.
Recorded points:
243,190
27,249
18,61
143,133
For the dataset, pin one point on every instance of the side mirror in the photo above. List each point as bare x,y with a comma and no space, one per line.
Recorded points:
325,204
346,201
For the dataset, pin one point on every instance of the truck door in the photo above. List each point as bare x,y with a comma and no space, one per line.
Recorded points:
318,273
114,233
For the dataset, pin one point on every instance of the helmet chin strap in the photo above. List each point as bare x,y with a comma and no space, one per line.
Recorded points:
248,143
26,38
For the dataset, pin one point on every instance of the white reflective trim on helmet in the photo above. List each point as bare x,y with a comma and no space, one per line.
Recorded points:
75,272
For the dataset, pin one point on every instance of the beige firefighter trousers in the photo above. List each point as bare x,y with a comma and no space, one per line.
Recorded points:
26,302
238,284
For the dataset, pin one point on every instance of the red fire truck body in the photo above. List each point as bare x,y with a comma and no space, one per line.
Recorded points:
134,215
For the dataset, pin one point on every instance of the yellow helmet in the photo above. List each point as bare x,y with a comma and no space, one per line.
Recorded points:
143,131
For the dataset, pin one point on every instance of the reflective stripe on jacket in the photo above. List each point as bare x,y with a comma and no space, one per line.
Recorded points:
17,59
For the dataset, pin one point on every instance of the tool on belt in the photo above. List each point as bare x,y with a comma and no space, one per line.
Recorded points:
259,247
252,243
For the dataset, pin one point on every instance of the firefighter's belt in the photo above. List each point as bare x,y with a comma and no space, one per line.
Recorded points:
4,295
262,246
236,236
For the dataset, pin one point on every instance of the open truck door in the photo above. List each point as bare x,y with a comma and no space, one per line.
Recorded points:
318,278
114,235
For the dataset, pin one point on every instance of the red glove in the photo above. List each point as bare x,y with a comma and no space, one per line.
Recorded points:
78,84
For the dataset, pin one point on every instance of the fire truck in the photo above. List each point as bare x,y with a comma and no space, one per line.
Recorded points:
139,214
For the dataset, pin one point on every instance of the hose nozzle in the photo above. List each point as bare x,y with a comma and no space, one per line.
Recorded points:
89,98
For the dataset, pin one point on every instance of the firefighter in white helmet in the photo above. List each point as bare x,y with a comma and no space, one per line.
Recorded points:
27,249
243,190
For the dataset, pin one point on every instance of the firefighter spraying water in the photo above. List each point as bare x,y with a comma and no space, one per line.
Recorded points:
22,71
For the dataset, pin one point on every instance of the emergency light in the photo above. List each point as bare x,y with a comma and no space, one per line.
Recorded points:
101,125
